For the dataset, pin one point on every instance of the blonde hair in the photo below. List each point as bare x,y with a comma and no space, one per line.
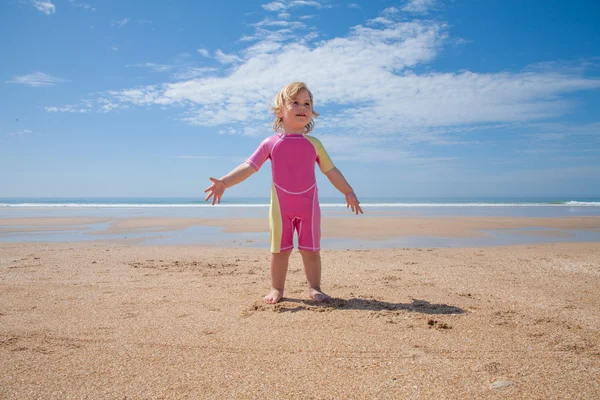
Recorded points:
285,95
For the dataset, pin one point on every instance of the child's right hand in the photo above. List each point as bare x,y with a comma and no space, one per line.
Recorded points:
215,191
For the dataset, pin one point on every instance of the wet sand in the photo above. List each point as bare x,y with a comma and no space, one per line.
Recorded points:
363,227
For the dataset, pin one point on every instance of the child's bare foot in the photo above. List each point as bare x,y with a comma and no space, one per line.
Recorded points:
318,295
273,297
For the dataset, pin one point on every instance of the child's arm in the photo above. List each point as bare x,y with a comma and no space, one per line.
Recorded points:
337,179
238,175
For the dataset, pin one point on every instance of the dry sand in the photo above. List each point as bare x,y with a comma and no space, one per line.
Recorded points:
97,320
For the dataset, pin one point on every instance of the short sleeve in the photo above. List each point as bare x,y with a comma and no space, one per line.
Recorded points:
260,155
323,159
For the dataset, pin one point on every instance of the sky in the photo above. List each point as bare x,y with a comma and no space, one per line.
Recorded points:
418,98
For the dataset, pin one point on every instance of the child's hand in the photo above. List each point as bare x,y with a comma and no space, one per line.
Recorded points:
215,191
353,203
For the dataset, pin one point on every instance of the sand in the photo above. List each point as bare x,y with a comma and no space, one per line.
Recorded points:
100,320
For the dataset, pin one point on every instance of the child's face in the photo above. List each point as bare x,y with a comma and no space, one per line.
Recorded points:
297,113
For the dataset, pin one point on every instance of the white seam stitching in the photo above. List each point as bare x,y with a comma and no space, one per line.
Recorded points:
288,192
313,220
272,154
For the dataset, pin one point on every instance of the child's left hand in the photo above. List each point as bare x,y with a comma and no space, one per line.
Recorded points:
353,203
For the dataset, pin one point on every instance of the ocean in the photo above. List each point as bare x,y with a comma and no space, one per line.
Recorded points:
146,202
196,207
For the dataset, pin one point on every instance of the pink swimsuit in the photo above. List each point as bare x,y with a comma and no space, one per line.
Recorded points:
294,197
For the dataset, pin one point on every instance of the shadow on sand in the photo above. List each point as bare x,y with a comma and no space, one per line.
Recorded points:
419,306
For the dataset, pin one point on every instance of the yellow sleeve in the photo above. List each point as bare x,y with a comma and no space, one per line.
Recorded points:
323,159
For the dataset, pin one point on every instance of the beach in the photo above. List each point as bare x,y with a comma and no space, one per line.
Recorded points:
122,319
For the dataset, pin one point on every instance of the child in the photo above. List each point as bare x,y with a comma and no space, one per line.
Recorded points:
294,201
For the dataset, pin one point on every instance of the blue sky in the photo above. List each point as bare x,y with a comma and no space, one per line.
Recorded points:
421,98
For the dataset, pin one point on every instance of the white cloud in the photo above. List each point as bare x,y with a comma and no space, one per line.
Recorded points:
369,72
280,23
228,131
139,96
380,20
364,84
274,6
263,47
419,6
261,34
81,5
546,136
189,72
20,133
591,129
153,66
108,104
181,68
203,52
226,58
72,108
44,6
303,3
375,149
354,5
119,23
391,11
36,79
278,6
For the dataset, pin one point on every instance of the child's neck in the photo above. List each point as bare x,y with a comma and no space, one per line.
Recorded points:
293,131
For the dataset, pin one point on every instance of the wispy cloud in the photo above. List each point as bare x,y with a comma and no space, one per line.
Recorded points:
274,6
85,107
153,66
20,133
68,108
279,6
36,79
280,23
226,58
78,4
368,83
304,3
190,72
44,6
179,70
566,129
419,6
119,23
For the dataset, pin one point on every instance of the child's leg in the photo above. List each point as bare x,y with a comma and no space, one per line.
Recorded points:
279,268
312,269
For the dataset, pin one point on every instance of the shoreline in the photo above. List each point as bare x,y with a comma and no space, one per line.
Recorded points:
352,231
